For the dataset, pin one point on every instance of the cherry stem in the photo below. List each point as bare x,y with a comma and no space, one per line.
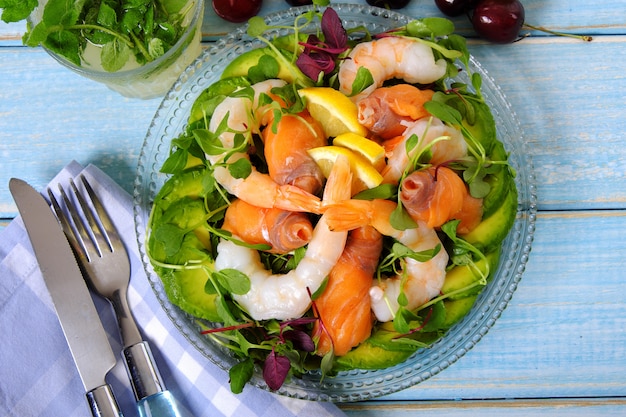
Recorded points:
585,38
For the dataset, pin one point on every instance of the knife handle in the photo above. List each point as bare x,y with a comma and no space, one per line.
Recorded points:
102,402
153,399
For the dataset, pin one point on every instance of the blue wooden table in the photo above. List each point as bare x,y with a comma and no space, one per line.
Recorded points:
560,346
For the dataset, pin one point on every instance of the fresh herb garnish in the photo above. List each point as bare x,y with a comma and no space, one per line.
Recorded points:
284,348
140,29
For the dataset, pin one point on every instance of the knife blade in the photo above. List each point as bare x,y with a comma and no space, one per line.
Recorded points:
72,301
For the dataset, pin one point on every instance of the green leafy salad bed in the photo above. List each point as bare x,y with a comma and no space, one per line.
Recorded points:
186,225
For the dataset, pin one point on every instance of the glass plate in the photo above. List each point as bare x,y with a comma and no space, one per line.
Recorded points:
170,120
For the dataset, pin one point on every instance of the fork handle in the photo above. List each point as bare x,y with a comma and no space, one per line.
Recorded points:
142,370
153,399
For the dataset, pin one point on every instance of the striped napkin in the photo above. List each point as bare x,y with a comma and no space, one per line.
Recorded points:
37,374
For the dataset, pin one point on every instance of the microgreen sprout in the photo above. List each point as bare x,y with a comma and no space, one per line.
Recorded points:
185,237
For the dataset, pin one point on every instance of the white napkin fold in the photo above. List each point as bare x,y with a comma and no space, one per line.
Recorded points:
37,374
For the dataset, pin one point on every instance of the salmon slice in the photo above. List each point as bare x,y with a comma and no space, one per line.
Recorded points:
437,195
283,230
344,308
383,111
285,149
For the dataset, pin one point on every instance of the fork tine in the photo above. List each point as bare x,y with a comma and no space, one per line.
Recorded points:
89,245
109,229
73,236
91,227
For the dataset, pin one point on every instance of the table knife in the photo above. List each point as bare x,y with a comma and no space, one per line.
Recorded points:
77,314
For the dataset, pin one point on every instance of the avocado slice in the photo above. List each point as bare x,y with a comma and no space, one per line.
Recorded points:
185,289
178,235
378,351
457,309
265,63
500,181
479,122
465,276
204,106
490,233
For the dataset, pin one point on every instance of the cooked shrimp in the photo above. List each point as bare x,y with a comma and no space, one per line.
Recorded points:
344,307
422,280
285,151
427,129
287,296
245,116
283,230
383,111
390,57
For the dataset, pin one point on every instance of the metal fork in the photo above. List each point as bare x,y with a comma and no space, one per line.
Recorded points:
106,267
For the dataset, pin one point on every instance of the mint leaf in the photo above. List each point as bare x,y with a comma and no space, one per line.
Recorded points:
114,55
61,12
64,43
106,16
156,48
36,35
16,10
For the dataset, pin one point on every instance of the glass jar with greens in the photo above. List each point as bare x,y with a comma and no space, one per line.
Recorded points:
136,47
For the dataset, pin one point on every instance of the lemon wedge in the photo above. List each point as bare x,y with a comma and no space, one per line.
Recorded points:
363,146
334,111
364,175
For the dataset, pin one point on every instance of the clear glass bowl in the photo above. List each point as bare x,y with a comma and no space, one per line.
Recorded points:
153,79
170,121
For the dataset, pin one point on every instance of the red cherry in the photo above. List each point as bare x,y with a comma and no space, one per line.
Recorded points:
498,21
299,2
455,7
388,4
237,11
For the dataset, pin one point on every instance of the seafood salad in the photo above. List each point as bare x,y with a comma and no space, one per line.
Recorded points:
337,200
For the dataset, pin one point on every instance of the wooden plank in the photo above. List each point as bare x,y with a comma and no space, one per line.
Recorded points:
562,15
586,407
563,333
569,115
568,309
50,115
573,129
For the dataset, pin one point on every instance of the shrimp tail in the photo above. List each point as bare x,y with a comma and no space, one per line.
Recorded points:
349,215
292,198
340,177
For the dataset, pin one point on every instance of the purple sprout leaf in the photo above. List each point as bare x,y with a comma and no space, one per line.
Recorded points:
314,64
301,321
275,370
319,57
300,339
334,33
